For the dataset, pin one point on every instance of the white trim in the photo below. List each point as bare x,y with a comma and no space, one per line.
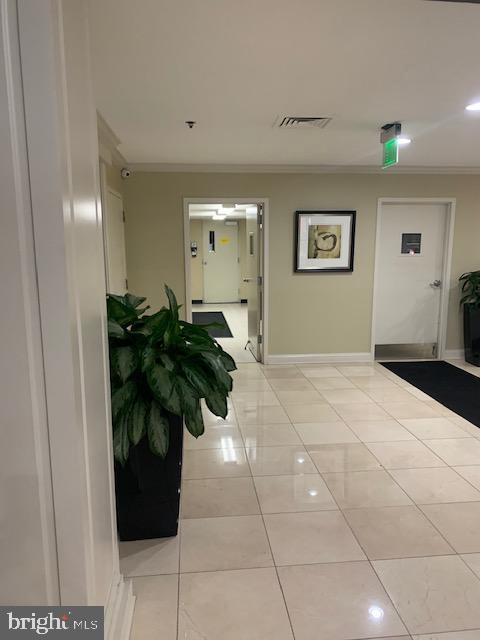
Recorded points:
119,610
108,143
266,258
170,167
454,354
318,358
450,204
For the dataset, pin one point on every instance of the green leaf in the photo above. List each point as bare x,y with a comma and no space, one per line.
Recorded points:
115,330
172,301
119,312
201,378
137,423
124,361
216,365
122,399
158,431
121,442
194,421
167,361
148,358
217,403
161,383
134,301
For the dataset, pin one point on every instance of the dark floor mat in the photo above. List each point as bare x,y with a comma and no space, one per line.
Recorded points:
210,317
454,388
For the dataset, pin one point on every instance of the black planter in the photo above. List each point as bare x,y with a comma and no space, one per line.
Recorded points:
471,333
148,489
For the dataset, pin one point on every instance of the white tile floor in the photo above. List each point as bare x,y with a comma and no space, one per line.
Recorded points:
334,503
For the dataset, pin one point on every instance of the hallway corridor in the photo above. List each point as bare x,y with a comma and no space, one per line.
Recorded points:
333,503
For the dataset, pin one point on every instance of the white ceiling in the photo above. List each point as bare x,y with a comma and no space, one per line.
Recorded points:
235,66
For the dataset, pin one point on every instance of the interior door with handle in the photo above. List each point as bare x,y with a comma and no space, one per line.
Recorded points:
410,260
254,279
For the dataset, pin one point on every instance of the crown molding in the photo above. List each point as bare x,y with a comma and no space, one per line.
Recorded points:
108,143
165,167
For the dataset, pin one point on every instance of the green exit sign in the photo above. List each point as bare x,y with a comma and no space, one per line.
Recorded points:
390,152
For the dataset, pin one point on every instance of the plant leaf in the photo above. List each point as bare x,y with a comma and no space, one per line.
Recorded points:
118,311
137,422
161,383
115,330
121,442
134,301
200,378
124,361
217,403
122,399
158,430
194,421
172,301
215,363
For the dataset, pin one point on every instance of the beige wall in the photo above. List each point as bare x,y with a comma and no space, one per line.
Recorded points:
113,178
309,313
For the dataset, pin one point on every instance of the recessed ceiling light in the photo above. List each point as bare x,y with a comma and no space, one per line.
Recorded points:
403,140
475,106
217,216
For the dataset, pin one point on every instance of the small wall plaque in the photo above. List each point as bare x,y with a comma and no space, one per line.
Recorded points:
411,243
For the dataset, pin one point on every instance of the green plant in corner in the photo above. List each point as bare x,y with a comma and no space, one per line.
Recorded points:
470,288
161,365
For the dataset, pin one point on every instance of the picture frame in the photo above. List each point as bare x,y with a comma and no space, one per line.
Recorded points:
324,241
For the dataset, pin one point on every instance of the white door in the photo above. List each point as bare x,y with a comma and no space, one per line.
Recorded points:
220,262
116,263
410,259
254,278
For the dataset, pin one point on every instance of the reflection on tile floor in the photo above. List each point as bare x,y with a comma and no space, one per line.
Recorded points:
335,503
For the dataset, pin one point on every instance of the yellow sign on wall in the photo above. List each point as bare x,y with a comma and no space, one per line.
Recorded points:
224,240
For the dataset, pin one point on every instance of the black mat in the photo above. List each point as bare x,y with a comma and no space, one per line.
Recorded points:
210,317
454,388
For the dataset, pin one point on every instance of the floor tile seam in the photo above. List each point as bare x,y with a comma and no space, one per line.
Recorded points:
280,586
427,503
425,442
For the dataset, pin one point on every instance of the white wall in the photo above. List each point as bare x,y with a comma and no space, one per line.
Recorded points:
28,562
68,316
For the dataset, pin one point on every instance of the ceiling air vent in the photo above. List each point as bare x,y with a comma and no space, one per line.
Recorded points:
299,122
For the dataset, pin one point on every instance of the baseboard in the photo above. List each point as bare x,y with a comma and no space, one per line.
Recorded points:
454,354
119,610
197,301
318,358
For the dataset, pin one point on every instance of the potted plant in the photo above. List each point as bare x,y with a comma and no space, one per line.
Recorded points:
471,315
160,369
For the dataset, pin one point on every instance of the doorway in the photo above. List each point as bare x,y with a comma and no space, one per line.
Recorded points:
412,275
225,271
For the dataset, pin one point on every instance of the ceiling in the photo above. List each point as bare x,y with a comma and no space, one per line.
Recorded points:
206,211
235,67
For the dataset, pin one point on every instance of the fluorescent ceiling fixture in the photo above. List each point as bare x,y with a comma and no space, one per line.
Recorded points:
403,140
225,210
217,216
475,106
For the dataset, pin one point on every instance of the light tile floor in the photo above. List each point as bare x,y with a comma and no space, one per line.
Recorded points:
334,503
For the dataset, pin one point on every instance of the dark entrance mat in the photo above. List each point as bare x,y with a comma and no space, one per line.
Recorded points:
454,388
209,317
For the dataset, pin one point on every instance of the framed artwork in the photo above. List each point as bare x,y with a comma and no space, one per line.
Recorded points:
324,241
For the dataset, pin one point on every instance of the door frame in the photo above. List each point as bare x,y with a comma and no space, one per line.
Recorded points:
450,204
265,254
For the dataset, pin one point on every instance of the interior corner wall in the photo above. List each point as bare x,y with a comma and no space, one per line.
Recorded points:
308,313
113,178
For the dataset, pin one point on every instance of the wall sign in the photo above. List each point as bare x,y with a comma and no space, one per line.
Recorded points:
411,243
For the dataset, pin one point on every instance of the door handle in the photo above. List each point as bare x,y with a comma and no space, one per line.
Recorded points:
436,284
248,280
